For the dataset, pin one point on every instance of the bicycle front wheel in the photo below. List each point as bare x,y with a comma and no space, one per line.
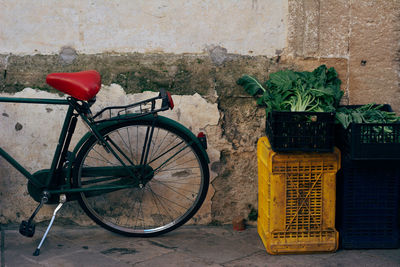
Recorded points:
173,182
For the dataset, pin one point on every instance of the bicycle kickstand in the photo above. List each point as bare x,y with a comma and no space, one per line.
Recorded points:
63,199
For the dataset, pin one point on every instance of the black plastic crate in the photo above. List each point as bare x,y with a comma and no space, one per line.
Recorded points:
301,131
368,197
370,141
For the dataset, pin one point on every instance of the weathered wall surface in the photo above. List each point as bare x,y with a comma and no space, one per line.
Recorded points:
363,33
197,50
180,26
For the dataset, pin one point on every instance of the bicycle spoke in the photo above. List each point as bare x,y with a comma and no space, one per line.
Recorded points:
177,165
139,209
130,146
155,202
153,142
127,146
161,203
179,182
161,143
136,198
166,152
172,202
170,143
170,188
120,151
104,159
163,149
168,162
178,169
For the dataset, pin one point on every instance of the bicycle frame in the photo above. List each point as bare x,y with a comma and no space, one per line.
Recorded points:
59,157
57,154
75,109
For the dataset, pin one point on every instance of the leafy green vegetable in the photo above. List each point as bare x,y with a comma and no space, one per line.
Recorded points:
251,85
370,113
385,132
287,90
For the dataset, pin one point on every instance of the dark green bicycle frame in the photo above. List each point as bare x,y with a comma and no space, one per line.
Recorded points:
72,103
59,158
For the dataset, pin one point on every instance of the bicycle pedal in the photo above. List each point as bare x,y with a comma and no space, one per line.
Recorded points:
27,228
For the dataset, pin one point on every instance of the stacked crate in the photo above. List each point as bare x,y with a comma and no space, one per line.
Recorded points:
296,200
368,186
368,205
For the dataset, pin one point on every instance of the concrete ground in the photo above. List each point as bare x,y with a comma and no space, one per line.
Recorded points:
186,246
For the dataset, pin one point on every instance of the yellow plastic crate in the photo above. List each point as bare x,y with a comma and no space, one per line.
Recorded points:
296,200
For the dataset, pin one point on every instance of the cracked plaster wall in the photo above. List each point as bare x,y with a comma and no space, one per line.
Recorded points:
197,50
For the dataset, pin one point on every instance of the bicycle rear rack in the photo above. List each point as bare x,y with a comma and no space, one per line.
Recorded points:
138,109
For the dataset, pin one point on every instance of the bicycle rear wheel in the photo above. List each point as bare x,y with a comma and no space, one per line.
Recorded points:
174,178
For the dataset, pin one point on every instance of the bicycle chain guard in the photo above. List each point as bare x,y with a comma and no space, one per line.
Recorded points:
37,193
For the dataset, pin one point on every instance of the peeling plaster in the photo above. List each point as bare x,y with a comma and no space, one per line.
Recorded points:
30,132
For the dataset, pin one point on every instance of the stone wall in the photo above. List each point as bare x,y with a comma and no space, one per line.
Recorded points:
363,33
197,51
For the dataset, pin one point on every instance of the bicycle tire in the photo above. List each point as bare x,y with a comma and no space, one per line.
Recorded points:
168,200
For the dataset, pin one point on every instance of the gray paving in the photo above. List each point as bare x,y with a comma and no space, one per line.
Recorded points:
186,246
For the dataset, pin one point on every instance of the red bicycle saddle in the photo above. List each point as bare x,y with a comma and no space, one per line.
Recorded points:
83,85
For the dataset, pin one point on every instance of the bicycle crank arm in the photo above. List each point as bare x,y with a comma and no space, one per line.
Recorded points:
27,228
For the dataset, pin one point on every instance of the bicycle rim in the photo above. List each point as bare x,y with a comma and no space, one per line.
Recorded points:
175,184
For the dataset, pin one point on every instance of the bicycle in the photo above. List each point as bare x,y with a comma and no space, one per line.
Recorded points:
135,173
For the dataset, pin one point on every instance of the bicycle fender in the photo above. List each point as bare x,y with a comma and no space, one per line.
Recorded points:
134,117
